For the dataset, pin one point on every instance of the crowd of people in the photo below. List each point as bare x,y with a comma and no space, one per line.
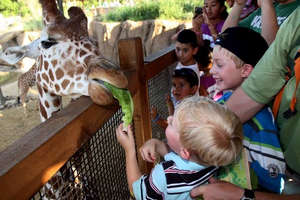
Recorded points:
232,68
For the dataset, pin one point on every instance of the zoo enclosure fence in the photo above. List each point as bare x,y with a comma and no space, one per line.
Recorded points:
75,154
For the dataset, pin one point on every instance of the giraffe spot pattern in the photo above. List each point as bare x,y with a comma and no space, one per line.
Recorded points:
45,88
51,75
88,46
82,53
45,77
54,63
78,78
69,68
59,74
87,59
40,90
56,102
71,86
69,50
46,65
47,104
65,83
71,73
41,63
43,111
79,70
39,77
57,88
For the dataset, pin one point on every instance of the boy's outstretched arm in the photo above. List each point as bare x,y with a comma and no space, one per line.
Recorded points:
126,139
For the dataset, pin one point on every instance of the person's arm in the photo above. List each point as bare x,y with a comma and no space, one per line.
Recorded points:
269,24
157,119
217,190
127,141
234,15
152,148
237,102
170,104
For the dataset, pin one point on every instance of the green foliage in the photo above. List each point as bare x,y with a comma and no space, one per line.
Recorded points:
33,25
159,9
13,7
141,11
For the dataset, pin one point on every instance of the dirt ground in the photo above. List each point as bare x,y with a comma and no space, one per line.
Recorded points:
17,121
14,123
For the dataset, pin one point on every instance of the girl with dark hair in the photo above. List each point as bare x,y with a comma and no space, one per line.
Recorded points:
214,16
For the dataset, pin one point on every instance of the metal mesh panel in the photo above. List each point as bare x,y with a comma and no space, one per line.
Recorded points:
158,87
95,171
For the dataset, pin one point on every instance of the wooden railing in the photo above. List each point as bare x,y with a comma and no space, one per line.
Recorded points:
31,161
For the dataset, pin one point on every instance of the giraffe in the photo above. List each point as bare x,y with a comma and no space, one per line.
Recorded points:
67,62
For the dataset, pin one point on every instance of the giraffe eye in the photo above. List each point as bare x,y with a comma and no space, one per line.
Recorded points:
48,43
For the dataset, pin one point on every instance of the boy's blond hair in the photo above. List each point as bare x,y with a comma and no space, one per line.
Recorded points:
237,61
208,130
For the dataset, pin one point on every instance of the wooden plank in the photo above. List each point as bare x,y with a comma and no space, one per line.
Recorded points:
131,57
31,161
159,62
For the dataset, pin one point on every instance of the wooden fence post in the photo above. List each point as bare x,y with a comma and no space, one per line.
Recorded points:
131,58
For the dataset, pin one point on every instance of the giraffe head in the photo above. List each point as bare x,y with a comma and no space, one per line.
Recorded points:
67,61
70,63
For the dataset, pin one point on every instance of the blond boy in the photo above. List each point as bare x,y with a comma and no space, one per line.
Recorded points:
202,136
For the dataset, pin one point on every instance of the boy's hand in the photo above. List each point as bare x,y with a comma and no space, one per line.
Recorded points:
148,150
153,112
168,99
152,149
126,139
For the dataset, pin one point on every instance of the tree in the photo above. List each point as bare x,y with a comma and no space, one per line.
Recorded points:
13,7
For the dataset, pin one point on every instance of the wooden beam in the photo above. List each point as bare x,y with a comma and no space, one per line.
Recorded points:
132,58
32,160
158,62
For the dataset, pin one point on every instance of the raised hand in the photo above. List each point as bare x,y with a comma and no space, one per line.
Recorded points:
152,149
126,139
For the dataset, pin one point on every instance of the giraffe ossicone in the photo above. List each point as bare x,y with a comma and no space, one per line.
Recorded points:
68,62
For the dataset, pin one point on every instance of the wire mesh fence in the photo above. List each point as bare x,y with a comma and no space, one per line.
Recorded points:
158,87
97,169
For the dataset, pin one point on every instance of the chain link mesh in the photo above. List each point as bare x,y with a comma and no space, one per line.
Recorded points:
158,87
97,169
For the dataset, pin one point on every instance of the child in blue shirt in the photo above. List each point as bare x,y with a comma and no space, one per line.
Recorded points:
236,52
203,135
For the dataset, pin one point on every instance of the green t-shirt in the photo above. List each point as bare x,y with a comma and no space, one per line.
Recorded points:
253,21
268,77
